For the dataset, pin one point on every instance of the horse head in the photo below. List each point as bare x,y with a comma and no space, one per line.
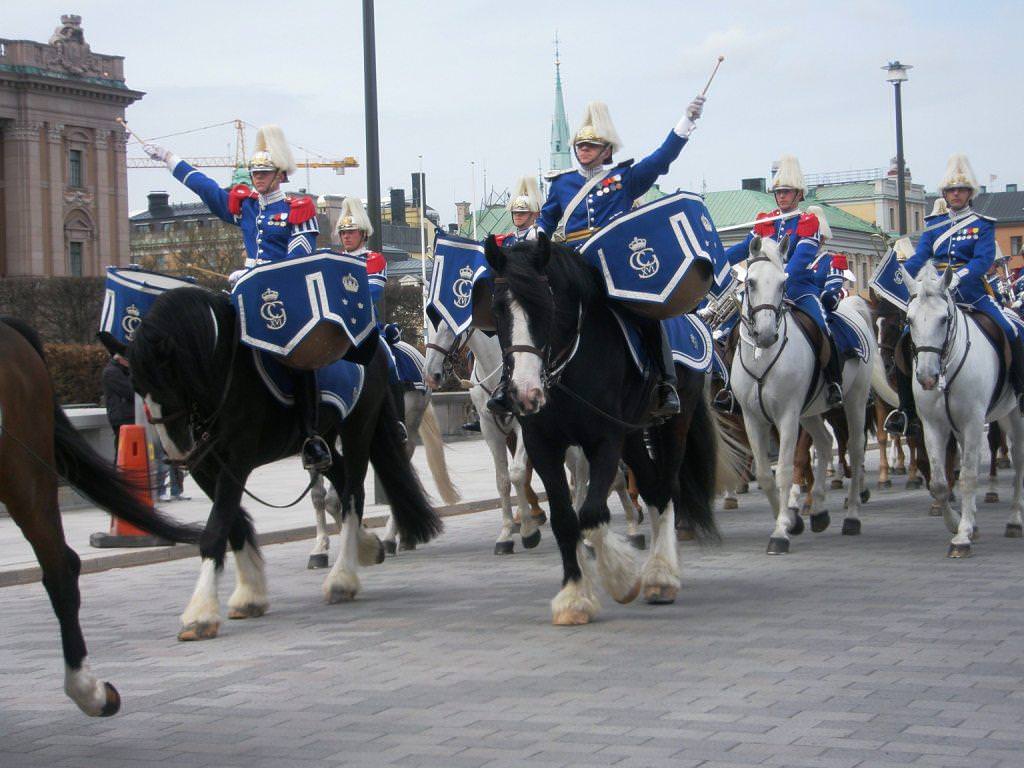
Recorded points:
931,315
524,311
761,311
442,344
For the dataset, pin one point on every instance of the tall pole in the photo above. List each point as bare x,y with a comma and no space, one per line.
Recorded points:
372,144
901,195
423,252
472,196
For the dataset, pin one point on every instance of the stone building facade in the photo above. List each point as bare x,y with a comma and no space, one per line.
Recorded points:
63,175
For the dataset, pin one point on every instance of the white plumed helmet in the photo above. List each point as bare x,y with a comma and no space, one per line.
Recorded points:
788,175
271,152
597,127
959,175
353,217
525,196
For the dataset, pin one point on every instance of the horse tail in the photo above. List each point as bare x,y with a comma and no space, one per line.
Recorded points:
417,521
698,474
430,433
880,383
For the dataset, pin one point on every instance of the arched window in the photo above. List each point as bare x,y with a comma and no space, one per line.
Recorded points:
78,243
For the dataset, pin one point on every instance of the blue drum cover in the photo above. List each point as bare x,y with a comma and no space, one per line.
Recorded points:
128,295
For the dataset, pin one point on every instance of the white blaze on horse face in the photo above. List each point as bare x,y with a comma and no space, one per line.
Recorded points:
527,367
441,336
170,448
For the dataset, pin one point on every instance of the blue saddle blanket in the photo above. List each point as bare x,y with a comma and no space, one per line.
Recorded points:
127,296
459,264
849,339
688,337
407,365
887,281
340,383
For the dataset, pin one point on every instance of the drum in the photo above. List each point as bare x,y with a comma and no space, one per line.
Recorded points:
128,294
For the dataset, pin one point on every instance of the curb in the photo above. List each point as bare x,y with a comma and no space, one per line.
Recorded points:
137,557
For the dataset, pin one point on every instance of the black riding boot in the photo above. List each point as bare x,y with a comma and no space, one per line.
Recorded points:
499,402
397,390
316,454
666,399
1017,371
834,377
902,421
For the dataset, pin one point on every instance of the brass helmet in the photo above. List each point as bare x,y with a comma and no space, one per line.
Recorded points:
353,217
959,175
597,127
272,152
788,175
525,196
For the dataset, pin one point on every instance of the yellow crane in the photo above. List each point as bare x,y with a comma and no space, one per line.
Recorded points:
239,160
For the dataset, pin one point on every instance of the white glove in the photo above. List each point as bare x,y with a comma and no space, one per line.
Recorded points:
688,124
156,152
235,276
696,107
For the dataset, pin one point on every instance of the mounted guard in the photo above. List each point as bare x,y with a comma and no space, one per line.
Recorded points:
525,209
962,240
582,201
805,233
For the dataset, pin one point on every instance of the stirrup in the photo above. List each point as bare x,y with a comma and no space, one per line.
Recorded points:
897,423
668,404
724,401
833,394
316,455
403,432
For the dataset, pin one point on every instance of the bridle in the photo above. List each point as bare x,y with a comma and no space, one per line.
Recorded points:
450,355
747,317
952,326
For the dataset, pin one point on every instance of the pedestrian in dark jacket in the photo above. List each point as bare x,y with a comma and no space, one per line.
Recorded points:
119,396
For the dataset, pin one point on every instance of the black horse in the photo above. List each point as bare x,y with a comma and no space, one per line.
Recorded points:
213,413
38,445
574,382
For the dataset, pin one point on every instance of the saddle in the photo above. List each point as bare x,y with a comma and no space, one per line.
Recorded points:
812,332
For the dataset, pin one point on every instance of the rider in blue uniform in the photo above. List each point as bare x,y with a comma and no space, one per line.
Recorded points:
525,209
806,232
274,227
965,241
583,200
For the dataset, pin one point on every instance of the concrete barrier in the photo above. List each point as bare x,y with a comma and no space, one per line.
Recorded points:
453,409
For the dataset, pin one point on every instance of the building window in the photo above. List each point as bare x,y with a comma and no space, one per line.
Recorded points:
75,168
141,228
167,226
1015,244
917,221
892,219
75,259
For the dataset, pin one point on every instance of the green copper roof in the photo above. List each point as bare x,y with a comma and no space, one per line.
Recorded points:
852,191
491,220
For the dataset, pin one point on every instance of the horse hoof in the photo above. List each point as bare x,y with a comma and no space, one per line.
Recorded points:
836,484
406,546
975,534
914,484
685,534
744,488
884,484
959,551
778,546
797,527
865,496
820,521
531,541
336,595
504,547
539,518
639,541
804,488
730,504
570,618
851,527
660,594
316,561
935,510
113,704
515,528
992,497
199,630
1014,531
1003,463
630,596
247,611
899,471
390,547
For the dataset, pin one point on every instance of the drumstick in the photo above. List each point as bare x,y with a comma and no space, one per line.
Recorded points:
129,131
713,73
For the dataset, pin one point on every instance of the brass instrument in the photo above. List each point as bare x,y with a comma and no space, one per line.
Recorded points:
722,308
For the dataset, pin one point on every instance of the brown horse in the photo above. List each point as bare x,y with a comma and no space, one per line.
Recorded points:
38,445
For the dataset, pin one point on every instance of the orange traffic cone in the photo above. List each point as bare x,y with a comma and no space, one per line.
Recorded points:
133,461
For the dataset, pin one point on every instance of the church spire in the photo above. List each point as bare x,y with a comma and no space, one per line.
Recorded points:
561,158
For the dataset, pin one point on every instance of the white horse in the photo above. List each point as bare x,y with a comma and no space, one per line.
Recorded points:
956,377
420,420
501,434
772,374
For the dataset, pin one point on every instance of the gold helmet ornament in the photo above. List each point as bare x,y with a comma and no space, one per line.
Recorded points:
597,127
525,196
788,175
939,207
271,152
353,217
959,175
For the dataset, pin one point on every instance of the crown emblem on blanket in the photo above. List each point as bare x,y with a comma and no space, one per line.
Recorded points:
637,244
350,284
466,273
270,295
132,310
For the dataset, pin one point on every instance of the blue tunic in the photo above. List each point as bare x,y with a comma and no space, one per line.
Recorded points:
611,197
266,230
519,235
966,241
830,282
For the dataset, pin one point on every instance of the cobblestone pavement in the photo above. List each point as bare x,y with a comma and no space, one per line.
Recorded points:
851,651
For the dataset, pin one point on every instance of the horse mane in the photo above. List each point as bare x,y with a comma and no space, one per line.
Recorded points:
569,277
177,334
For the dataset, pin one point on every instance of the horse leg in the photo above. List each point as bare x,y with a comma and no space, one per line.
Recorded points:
615,564
995,436
531,495
935,440
1015,430
883,449
801,472
621,488
495,439
249,600
531,516
855,443
759,435
778,543
576,603
342,583
322,539
971,442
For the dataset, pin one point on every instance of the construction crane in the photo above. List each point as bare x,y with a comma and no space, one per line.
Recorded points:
239,160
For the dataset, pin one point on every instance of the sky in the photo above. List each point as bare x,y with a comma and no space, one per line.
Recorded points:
469,86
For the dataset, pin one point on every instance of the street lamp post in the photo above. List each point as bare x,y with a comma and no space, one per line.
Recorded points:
372,144
898,75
